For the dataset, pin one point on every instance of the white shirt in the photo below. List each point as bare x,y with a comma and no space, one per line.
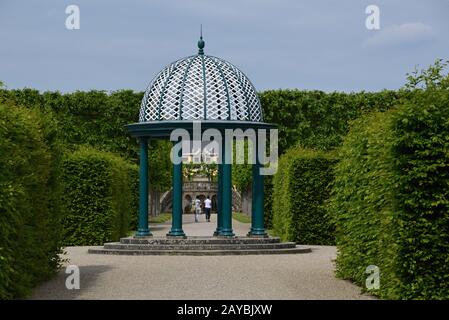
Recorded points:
207,203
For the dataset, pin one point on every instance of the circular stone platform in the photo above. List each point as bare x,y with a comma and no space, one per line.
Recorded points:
199,246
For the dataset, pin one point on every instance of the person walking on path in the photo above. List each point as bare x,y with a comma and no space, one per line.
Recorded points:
197,209
208,206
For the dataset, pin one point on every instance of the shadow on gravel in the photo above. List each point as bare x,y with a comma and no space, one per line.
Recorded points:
55,289
157,227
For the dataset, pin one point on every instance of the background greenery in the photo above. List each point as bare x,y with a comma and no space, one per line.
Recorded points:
301,189
389,201
29,199
98,197
97,118
390,195
315,120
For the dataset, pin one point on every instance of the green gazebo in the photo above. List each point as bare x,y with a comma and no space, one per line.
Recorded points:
207,90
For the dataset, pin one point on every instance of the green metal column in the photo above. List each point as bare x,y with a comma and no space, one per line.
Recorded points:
257,219
219,202
226,193
143,230
176,228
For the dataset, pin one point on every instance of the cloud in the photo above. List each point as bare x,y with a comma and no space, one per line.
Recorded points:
396,35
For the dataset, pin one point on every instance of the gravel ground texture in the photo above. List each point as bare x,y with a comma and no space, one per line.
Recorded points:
290,276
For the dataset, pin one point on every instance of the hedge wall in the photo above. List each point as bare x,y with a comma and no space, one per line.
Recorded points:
317,120
97,118
99,197
29,200
301,188
391,199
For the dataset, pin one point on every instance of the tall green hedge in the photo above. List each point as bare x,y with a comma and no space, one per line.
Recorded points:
99,197
301,187
29,199
319,120
421,163
391,199
362,200
97,118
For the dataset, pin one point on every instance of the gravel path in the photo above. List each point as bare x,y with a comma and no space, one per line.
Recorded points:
293,276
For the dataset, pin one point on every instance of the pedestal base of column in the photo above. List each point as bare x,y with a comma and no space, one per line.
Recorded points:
257,233
143,233
176,234
226,233
217,232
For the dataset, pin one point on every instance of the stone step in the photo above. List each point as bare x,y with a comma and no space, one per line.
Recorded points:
200,246
199,240
294,250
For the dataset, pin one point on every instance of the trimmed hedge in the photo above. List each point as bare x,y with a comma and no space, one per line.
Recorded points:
301,187
362,200
99,193
97,118
391,199
311,119
29,200
133,179
319,120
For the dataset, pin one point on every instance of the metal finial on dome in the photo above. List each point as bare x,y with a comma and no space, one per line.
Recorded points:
201,41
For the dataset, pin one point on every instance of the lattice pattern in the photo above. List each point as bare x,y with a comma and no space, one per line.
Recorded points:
200,87
192,99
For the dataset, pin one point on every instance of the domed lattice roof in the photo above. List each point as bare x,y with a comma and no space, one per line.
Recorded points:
200,87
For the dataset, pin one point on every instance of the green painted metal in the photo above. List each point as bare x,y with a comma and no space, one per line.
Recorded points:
253,198
257,210
143,229
183,85
201,44
226,88
226,193
162,129
219,202
176,229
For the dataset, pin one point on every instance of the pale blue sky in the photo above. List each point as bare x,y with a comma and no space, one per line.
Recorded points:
320,44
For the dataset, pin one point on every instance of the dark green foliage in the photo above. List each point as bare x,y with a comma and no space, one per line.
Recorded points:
29,199
390,198
98,191
319,120
421,164
268,202
301,187
93,117
362,201
97,118
133,178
